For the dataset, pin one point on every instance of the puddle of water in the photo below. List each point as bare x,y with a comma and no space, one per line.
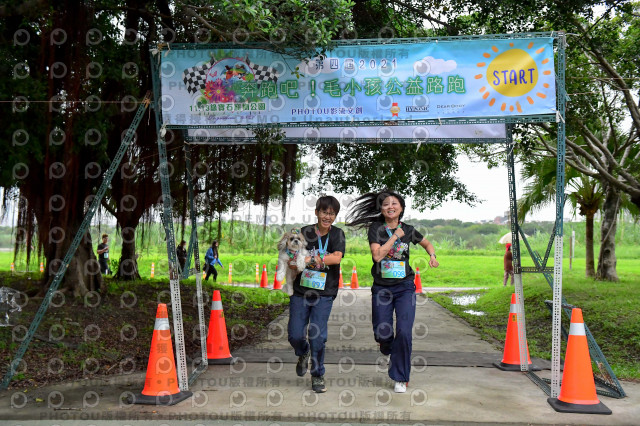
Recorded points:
465,299
472,312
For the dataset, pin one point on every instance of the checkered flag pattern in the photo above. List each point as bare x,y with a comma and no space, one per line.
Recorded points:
262,73
196,77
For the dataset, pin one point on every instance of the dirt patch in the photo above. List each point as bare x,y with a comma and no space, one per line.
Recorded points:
111,334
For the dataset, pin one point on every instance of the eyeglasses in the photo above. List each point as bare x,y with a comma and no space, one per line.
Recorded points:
326,214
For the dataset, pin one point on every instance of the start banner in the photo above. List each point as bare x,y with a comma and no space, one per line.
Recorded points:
360,82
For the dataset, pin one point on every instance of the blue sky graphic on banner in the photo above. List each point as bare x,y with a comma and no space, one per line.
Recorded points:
374,83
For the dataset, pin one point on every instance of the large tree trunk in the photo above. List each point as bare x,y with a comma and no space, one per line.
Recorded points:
607,259
590,267
128,266
83,273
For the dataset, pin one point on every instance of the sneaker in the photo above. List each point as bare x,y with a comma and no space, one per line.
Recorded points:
400,387
303,364
317,384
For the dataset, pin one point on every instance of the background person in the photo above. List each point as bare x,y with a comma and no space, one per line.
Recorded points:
314,291
181,252
508,265
103,255
393,279
211,259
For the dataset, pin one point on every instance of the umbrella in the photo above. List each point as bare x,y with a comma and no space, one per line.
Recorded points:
506,238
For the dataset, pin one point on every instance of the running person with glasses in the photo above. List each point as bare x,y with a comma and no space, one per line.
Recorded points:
393,279
314,290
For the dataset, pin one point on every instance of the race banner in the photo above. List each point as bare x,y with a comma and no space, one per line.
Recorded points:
375,134
364,83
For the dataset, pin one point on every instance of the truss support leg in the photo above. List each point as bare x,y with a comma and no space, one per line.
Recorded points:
86,222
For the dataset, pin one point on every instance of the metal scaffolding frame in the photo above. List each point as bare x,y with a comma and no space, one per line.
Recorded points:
186,379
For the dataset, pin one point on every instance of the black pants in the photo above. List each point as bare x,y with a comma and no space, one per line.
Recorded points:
211,270
104,266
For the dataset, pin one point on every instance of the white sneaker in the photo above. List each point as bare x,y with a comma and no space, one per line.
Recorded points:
400,387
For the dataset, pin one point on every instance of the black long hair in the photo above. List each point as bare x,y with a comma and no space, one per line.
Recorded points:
365,210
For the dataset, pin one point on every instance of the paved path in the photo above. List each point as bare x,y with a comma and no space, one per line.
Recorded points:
451,384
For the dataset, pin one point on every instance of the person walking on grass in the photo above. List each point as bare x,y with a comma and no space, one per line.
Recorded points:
508,266
314,291
211,259
181,252
103,255
393,287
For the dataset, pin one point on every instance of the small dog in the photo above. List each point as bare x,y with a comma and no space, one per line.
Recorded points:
292,248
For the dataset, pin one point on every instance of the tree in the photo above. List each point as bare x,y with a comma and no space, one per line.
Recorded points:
603,72
66,58
586,196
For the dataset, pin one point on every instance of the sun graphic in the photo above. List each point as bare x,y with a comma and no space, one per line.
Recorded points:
513,75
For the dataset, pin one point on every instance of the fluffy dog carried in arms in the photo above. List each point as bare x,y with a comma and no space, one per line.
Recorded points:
292,249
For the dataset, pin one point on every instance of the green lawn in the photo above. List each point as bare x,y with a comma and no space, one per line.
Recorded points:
458,268
610,311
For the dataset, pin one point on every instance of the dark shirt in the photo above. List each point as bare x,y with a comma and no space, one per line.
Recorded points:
101,256
378,234
181,252
337,242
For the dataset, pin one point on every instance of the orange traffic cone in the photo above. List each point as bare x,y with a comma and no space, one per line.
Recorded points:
418,281
277,285
217,342
263,278
340,281
161,383
511,357
578,389
41,266
354,279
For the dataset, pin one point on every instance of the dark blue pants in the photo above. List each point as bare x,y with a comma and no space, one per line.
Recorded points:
400,298
308,316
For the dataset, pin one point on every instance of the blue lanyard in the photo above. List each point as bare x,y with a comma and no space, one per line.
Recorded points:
390,234
322,250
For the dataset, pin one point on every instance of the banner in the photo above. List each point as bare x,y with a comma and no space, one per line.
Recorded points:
378,134
367,84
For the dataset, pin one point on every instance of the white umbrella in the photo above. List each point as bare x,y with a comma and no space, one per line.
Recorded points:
506,238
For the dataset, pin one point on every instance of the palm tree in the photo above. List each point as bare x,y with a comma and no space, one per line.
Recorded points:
586,196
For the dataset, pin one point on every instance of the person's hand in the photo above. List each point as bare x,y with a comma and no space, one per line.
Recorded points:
433,262
399,233
293,266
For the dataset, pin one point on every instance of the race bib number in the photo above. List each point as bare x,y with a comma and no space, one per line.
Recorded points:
313,279
106,254
393,269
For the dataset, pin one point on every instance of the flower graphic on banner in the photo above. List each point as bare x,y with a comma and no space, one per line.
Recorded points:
513,76
216,91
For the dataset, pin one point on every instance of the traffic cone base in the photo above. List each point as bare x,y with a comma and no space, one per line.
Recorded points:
223,361
160,399
565,407
514,367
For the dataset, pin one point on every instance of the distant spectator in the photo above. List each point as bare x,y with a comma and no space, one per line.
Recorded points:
211,259
103,255
181,251
508,265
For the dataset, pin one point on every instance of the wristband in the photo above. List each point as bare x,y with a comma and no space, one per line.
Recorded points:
433,255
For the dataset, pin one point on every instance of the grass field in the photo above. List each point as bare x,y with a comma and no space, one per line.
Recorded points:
610,311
